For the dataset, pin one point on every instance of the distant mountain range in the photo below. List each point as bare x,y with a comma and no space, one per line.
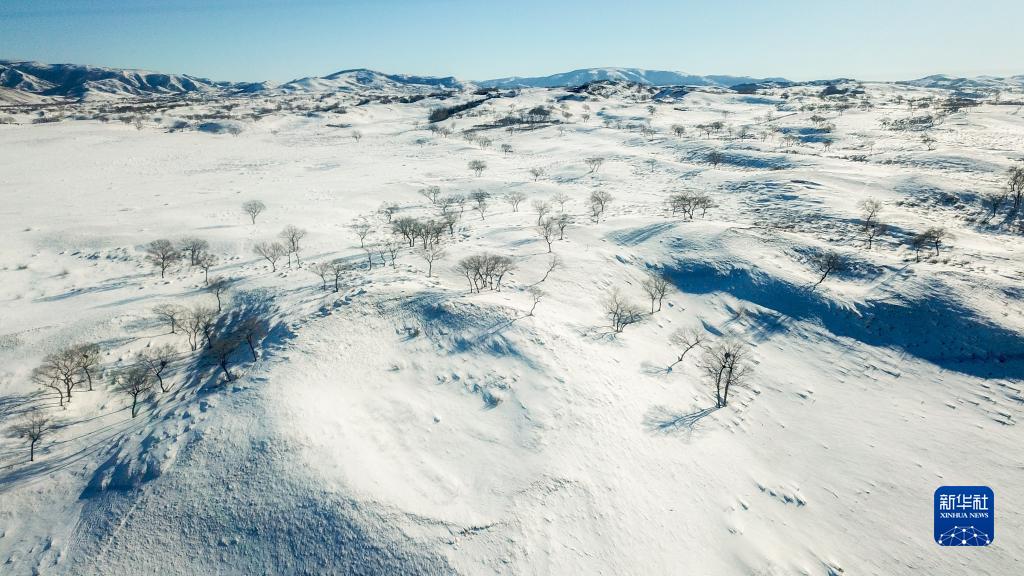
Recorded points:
636,75
28,82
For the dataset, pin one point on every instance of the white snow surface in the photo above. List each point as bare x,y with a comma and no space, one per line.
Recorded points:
406,426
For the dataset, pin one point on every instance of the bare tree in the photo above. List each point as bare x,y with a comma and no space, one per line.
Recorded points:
88,359
1015,185
34,426
218,287
157,360
162,254
560,198
431,193
205,262
620,312
547,229
875,230
726,366
506,149
826,262
537,173
389,249
197,325
339,267
599,200
135,381
253,329
430,254
514,198
388,209
542,208
679,130
715,158
254,208
292,237
553,264
61,372
485,271
869,211
193,248
271,252
357,136
362,230
656,287
685,341
562,222
323,270
170,313
222,346
480,201
478,167
994,201
594,163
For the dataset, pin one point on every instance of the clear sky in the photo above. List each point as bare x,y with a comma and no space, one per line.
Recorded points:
280,40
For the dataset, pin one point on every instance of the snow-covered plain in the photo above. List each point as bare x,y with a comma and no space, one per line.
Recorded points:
406,426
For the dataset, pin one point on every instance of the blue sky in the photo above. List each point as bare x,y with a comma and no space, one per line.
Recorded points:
279,40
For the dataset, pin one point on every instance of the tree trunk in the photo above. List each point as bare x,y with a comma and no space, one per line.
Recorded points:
248,340
224,367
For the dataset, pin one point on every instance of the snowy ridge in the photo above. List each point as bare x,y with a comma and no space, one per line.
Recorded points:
634,75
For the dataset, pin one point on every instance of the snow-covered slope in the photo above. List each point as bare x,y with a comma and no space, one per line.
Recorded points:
361,80
91,82
405,425
635,75
979,82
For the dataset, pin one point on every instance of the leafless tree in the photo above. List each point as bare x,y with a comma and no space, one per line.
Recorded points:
562,221
1015,185
162,254
542,209
477,166
599,200
88,359
339,267
362,230
547,229
357,136
222,346
620,312
407,227
292,237
158,360
594,163
537,173
431,193
506,149
389,249
655,286
875,230
253,329
826,262
932,236
388,209
34,426
254,208
514,198
685,341
869,211
994,201
218,287
197,325
61,372
679,130
135,381
193,248
480,201
206,261
171,313
560,198
271,252
715,158
430,254
323,270
726,365
485,271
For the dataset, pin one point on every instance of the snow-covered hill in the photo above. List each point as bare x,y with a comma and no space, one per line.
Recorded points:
361,80
634,75
404,424
942,81
80,82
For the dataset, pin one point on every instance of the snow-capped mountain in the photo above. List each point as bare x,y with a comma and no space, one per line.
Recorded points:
637,75
978,82
90,82
362,79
